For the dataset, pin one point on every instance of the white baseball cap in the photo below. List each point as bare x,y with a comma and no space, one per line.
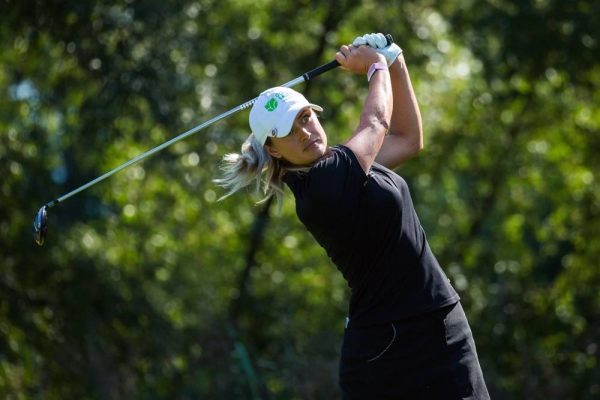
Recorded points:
274,112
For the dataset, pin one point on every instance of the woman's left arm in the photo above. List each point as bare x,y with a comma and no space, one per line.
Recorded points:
405,137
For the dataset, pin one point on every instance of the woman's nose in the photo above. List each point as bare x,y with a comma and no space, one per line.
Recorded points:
304,134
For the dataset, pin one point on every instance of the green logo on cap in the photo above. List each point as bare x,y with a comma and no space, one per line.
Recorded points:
271,105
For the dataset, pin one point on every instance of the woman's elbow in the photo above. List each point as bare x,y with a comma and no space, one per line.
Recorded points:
415,143
420,146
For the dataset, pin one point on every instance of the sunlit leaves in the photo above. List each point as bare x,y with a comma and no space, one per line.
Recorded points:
140,273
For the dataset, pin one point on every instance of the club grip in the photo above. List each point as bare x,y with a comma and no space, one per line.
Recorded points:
334,64
322,69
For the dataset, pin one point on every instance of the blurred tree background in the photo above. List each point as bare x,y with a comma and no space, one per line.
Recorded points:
148,288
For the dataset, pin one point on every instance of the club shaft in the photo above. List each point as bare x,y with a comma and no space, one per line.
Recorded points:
305,77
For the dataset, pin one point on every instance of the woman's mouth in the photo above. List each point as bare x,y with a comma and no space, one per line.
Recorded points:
311,144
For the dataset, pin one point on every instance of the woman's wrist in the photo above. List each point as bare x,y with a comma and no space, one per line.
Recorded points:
376,66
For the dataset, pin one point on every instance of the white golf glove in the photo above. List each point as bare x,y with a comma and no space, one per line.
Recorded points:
378,42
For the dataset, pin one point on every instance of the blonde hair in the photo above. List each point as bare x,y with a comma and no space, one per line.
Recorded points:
255,166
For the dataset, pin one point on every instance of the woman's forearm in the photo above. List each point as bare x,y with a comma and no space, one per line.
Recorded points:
405,138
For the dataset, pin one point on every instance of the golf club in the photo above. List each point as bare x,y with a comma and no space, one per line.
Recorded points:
40,221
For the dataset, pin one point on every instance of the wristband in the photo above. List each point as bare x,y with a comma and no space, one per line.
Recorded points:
374,67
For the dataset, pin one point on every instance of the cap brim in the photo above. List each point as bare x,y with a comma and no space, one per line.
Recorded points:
285,125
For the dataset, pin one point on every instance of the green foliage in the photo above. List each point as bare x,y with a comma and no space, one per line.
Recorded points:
148,287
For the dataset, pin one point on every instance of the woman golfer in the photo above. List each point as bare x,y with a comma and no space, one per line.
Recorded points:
407,336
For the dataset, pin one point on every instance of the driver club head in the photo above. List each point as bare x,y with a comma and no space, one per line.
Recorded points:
40,225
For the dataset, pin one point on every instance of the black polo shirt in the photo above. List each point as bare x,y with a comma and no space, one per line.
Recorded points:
368,226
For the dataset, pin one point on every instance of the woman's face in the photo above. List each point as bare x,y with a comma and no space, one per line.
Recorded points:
305,145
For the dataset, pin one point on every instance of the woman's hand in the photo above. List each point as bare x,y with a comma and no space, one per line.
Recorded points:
380,43
358,59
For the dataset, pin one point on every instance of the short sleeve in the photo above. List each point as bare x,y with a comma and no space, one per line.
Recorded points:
332,181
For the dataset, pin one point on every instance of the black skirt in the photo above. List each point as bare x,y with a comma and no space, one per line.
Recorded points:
431,356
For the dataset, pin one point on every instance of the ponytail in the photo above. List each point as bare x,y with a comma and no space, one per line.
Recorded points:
249,167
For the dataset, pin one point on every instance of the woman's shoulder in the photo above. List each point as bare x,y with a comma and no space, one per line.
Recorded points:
333,176
329,163
341,156
343,150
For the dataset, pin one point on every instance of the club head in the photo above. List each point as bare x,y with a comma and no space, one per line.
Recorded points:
40,225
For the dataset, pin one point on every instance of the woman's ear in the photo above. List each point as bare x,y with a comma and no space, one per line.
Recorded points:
273,151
